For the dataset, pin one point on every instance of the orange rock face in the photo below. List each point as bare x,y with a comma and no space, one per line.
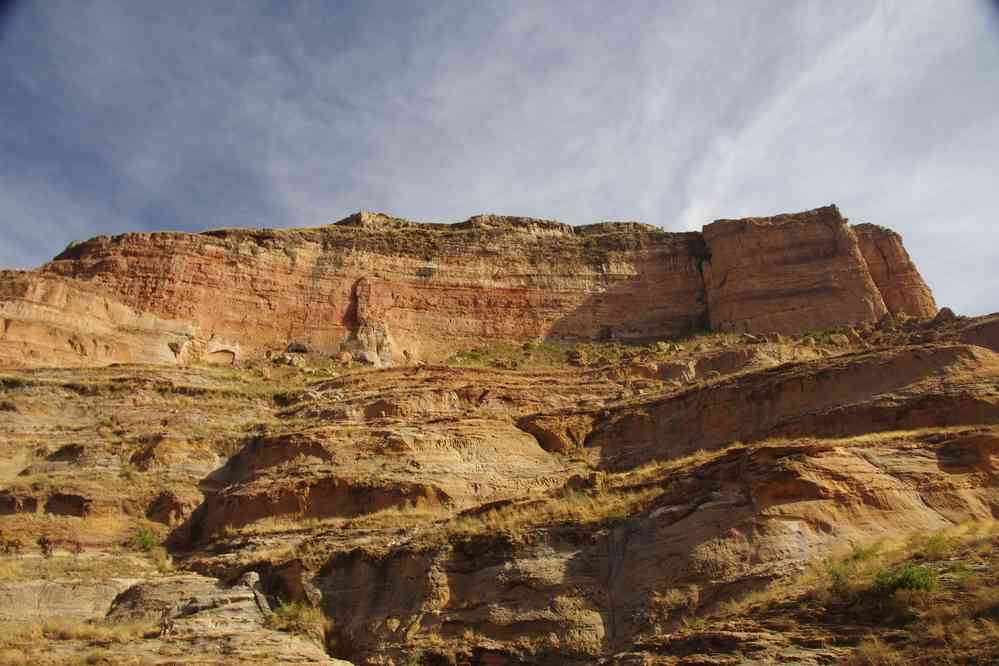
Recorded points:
425,289
389,290
788,273
892,270
47,320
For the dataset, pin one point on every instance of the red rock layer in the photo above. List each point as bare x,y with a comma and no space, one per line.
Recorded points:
897,278
434,288
389,289
788,273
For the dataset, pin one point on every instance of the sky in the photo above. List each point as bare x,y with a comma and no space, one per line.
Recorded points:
147,115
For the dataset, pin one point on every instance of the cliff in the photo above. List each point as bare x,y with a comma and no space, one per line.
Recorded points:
48,320
390,289
809,270
897,278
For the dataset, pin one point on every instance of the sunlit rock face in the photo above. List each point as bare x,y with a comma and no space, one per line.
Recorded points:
388,290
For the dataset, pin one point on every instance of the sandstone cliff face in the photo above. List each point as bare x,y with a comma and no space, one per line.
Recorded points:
788,273
389,290
483,515
45,320
428,288
897,278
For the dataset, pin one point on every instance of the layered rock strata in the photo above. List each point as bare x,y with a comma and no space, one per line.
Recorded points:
894,273
388,289
788,273
47,320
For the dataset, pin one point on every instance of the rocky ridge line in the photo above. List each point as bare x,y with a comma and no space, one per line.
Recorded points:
390,290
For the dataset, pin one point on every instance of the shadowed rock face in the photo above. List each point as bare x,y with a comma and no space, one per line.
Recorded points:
385,289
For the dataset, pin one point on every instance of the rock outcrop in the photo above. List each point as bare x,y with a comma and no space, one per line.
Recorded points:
610,501
788,273
48,320
898,280
387,290
388,286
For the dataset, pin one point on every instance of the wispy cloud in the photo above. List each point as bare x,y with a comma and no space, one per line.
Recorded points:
139,115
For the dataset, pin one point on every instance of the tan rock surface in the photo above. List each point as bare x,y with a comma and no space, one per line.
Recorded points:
46,320
898,280
392,291
524,501
788,273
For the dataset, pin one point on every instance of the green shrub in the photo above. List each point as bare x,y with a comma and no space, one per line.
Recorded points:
143,539
907,576
842,577
936,547
863,553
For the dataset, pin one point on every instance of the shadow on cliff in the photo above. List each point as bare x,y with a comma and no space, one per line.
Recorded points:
187,535
633,310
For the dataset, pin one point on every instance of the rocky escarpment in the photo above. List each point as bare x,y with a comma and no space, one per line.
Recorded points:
48,320
388,289
572,509
898,280
788,273
428,289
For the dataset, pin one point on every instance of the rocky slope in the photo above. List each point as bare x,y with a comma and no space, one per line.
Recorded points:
542,459
540,504
389,290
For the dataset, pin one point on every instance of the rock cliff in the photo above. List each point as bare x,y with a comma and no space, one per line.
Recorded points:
897,278
610,503
788,273
387,289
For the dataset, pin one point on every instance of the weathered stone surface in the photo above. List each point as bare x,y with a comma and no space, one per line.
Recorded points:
392,291
568,595
48,320
788,273
898,280
68,599
550,514
390,286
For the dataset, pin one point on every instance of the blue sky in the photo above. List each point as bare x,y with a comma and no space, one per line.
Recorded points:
149,115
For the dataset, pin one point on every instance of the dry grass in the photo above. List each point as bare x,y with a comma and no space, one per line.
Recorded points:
385,518
659,469
874,652
298,618
10,569
579,508
29,657
13,634
99,531
937,593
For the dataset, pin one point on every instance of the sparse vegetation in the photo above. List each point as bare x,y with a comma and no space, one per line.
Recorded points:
13,634
906,576
298,618
576,507
927,589
143,539
161,559
874,652
437,425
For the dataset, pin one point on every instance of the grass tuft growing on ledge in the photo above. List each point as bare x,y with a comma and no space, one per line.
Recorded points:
297,618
